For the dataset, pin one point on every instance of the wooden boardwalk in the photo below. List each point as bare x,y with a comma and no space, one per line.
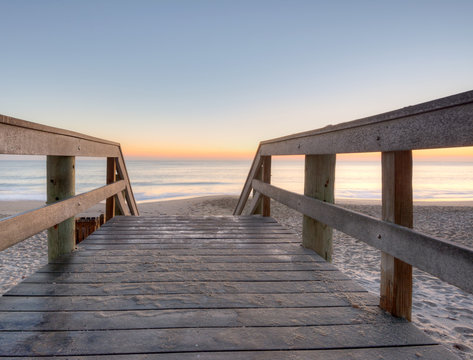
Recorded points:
180,287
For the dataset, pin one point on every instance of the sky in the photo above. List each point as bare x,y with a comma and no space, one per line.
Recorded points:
213,78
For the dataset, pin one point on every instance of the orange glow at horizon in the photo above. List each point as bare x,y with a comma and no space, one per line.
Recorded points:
455,154
188,153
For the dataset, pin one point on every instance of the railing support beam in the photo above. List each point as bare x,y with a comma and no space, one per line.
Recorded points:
396,275
264,174
60,186
266,179
319,184
110,205
258,209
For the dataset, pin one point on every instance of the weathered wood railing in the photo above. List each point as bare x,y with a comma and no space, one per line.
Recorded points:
19,137
446,122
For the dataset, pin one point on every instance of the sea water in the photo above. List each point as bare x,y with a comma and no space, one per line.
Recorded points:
154,180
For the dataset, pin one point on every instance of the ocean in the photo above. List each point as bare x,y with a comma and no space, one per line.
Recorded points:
154,180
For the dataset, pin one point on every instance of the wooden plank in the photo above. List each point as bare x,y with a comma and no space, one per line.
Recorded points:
184,301
397,205
184,276
188,318
115,245
444,259
191,218
60,185
319,183
209,258
158,236
18,140
197,225
158,304
241,219
209,339
90,245
111,178
160,266
189,230
189,235
19,227
446,122
436,352
185,239
123,173
201,252
183,287
245,193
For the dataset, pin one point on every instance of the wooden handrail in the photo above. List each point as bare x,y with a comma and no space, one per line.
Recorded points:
441,258
17,228
20,137
50,129
446,122
245,193
123,173
441,123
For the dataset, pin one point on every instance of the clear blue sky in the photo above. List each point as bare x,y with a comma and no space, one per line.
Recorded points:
218,76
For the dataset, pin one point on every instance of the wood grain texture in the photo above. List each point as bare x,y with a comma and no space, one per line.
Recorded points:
266,178
160,304
398,208
60,185
19,227
436,352
111,178
19,137
446,122
441,258
319,183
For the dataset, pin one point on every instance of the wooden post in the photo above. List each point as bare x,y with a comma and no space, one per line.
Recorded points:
267,179
396,275
60,172
319,183
259,208
111,177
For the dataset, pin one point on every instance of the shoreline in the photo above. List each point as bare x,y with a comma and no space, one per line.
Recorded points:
440,310
14,207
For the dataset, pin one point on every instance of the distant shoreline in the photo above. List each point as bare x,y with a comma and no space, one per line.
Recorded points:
12,207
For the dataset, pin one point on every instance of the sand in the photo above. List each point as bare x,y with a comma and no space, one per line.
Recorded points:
442,311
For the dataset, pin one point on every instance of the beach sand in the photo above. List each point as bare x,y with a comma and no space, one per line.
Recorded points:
442,311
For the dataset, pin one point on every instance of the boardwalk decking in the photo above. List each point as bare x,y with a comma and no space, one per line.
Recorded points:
179,287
